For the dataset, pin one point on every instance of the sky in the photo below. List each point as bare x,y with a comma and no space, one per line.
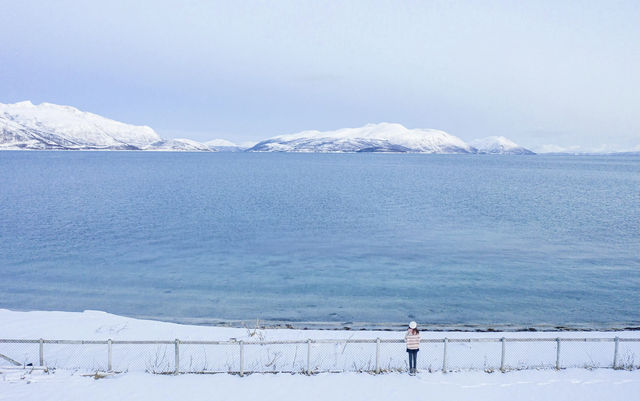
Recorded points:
549,75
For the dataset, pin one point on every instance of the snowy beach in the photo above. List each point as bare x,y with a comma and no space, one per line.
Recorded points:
460,384
97,325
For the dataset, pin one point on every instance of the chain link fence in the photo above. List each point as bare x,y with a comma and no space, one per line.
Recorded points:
314,356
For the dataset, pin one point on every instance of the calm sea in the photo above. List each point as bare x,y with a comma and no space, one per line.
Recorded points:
441,239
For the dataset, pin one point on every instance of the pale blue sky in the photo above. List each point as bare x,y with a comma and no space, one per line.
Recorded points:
539,72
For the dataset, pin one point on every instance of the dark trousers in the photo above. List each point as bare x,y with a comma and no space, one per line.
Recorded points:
413,358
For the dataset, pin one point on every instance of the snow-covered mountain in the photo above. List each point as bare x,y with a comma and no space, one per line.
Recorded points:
382,137
24,125
499,145
178,144
222,145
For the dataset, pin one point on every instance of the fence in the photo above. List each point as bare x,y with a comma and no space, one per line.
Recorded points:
313,356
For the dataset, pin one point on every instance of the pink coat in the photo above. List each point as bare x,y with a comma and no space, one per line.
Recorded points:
412,340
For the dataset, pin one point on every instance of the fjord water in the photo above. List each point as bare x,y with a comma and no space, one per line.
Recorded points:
441,239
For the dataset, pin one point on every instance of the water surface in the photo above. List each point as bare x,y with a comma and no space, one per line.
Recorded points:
441,239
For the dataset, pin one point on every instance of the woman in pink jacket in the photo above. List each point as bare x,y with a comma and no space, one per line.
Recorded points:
412,338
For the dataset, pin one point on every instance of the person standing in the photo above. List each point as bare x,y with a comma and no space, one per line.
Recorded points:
412,339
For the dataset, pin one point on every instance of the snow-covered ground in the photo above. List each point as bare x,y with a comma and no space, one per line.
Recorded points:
461,384
573,384
97,325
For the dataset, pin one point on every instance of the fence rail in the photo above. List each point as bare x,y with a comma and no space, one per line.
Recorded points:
321,355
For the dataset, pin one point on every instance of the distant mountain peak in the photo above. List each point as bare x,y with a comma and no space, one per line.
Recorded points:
222,145
178,144
499,145
24,125
379,137
219,142
24,103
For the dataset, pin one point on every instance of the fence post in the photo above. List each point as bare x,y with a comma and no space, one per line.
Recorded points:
444,358
377,355
615,353
41,352
177,357
558,353
309,356
109,358
241,358
502,357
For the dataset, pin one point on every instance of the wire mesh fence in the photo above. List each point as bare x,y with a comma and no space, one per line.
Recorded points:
315,356
275,357
473,355
531,354
139,356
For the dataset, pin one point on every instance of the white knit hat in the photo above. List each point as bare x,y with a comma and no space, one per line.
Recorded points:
413,325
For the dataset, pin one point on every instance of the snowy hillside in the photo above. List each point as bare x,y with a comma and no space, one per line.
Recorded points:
24,125
178,144
499,145
45,126
382,137
222,145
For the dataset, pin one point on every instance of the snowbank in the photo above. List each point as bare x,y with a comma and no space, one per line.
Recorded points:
96,325
574,384
235,350
72,385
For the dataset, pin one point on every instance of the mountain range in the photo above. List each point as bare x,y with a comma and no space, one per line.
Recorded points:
386,137
25,126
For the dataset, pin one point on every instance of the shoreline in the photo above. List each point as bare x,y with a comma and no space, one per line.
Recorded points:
374,326
92,324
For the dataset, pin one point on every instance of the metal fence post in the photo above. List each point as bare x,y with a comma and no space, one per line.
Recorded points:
177,357
41,352
444,358
109,358
558,353
377,355
309,356
615,353
502,357
241,358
